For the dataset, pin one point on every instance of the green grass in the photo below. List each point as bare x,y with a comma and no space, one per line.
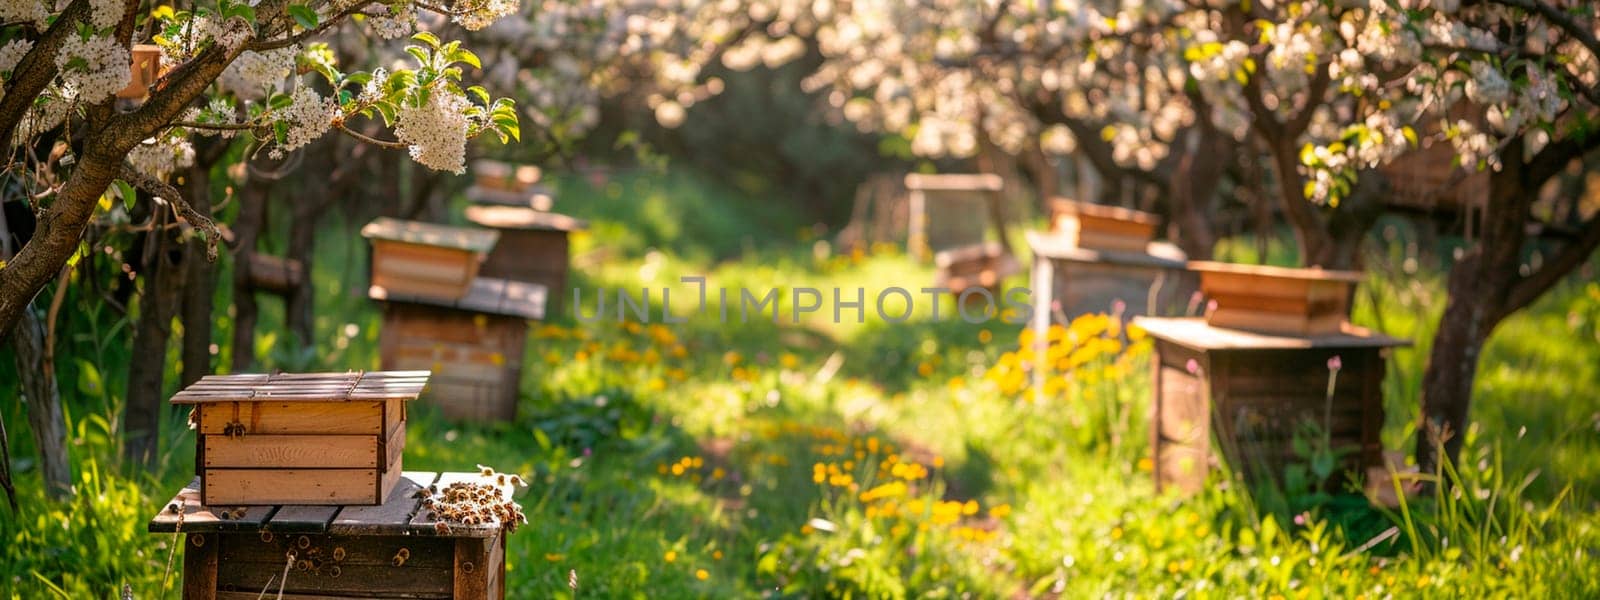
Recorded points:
684,460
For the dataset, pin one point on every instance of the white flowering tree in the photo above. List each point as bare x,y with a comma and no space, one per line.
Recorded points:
85,135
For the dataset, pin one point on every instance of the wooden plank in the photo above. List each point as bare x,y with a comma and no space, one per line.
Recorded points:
232,595
472,568
324,550
369,581
290,486
391,517
274,417
1195,333
279,451
475,239
393,448
198,518
200,566
294,518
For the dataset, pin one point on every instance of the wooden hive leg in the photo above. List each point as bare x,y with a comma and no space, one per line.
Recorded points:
200,566
472,569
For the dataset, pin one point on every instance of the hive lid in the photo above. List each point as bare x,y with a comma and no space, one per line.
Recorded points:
305,387
1308,274
1194,332
487,295
536,197
977,182
517,217
1056,246
473,239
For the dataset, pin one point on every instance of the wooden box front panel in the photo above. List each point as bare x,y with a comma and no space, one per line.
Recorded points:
423,270
1253,403
321,453
533,256
476,359
1084,288
238,566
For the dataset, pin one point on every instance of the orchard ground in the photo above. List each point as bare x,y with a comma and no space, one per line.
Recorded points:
710,459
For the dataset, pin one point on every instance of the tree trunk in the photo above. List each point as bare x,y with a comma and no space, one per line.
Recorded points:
147,366
5,466
199,287
246,229
43,400
302,243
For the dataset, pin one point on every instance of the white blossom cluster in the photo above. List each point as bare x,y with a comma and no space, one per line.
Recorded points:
478,14
393,20
24,11
219,113
253,75
163,156
104,14
436,131
10,55
307,117
94,68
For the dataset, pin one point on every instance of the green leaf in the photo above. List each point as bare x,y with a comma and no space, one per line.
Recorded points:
127,193
303,15
89,382
481,93
466,56
427,38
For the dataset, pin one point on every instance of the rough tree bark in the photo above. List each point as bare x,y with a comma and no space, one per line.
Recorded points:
158,304
200,285
43,400
246,229
1485,286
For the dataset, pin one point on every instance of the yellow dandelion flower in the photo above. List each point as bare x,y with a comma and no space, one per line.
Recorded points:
701,574
924,369
732,358
970,508
554,557
1000,511
716,555
984,336
788,361
671,556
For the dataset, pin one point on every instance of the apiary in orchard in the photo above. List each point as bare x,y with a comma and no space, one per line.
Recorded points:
300,438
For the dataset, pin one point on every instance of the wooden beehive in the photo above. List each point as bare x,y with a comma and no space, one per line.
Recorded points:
501,184
276,274
474,346
1251,394
949,211
146,69
534,247
426,259
391,550
1280,300
1101,227
300,438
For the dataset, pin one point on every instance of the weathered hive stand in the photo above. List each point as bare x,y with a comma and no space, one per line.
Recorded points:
1250,394
316,438
391,550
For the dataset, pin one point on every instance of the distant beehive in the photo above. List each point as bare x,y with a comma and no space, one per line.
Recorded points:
949,211
426,259
1276,300
533,247
474,345
309,438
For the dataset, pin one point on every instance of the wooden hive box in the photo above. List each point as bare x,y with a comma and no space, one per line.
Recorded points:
300,438
502,184
426,259
949,211
392,550
1251,394
1277,300
534,247
1101,227
474,346
145,67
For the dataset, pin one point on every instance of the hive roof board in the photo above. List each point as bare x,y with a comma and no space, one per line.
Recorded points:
305,387
472,239
536,197
1157,254
517,217
985,182
487,295
1309,274
1195,333
1103,211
